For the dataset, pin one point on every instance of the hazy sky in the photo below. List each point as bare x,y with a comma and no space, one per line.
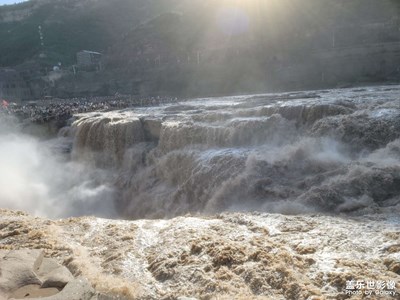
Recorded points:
10,1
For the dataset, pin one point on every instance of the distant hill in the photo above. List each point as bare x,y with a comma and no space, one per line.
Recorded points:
284,26
72,25
68,26
211,47
189,47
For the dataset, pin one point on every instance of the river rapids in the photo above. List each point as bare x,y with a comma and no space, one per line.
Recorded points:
328,151
275,196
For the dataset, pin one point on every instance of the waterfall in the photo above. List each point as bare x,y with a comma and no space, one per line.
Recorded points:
332,151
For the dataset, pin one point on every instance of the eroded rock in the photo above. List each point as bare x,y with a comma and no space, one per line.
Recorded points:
28,274
17,269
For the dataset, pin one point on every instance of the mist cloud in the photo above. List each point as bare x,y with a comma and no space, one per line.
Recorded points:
35,179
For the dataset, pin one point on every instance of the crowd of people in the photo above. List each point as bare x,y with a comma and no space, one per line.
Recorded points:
42,111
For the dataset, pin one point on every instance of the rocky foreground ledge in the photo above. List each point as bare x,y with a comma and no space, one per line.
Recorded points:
229,256
28,274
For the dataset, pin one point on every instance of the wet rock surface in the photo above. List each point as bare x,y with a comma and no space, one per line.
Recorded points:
26,273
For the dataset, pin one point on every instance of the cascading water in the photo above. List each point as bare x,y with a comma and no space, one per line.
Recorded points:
329,151
335,152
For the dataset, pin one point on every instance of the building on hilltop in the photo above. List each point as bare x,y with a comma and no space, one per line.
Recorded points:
89,59
12,86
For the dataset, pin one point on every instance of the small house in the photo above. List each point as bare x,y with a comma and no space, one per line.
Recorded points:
89,59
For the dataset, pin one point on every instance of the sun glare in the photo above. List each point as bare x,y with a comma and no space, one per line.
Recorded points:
235,17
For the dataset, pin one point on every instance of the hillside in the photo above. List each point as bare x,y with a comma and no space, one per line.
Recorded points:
211,48
286,26
68,26
204,47
71,25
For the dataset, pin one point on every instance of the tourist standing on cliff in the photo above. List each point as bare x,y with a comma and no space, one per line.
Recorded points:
4,105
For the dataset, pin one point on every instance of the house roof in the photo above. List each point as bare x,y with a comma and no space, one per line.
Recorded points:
91,52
